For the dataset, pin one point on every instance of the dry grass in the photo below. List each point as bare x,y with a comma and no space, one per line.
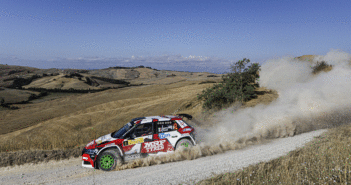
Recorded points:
72,121
325,160
78,119
60,82
14,95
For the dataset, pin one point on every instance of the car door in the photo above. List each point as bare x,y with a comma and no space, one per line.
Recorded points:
165,135
133,141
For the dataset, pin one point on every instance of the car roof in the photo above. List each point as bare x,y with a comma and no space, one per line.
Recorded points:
149,119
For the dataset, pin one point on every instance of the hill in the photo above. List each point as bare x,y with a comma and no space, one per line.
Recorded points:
72,120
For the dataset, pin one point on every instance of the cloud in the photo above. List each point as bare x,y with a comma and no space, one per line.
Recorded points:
165,62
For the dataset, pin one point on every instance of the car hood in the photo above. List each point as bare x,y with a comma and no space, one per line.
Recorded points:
105,138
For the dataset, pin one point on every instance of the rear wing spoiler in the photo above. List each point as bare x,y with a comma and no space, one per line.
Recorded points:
186,115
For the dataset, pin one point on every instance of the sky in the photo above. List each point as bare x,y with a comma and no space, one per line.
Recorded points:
184,35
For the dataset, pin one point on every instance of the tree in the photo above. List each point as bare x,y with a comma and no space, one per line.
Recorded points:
248,74
237,68
236,86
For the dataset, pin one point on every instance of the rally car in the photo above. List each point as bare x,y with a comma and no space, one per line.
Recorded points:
139,138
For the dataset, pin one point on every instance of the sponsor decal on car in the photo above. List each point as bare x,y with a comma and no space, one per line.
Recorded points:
91,143
164,122
165,129
187,129
154,146
135,149
111,144
133,142
163,135
104,139
181,123
175,126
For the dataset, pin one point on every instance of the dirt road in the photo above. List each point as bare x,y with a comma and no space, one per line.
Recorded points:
183,172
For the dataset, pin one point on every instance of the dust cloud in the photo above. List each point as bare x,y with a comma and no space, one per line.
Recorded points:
306,102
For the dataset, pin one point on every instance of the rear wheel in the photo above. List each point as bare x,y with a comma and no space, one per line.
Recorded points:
108,160
184,143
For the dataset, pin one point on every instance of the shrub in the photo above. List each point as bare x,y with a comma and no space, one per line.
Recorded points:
19,82
171,75
236,86
320,66
14,107
110,80
212,76
32,97
43,93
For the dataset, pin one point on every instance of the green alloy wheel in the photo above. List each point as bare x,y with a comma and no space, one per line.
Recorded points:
108,159
184,143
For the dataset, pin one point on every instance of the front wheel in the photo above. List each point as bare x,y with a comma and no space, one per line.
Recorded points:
184,143
108,160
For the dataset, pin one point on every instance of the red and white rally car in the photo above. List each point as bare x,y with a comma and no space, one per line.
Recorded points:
139,138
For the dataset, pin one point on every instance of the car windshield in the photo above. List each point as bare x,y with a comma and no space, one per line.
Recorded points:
123,130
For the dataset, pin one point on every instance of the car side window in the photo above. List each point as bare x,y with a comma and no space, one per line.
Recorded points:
143,130
166,126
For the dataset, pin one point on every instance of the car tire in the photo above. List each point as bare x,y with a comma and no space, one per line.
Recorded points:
184,143
108,160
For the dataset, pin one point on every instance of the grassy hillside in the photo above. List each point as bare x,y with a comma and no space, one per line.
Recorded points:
74,120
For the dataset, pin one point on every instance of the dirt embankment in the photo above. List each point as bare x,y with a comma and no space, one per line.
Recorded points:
35,156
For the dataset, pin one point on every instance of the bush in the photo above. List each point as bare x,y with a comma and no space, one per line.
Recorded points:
113,81
14,107
19,82
32,97
236,86
320,66
212,76
43,93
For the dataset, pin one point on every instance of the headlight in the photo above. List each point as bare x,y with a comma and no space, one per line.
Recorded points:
90,151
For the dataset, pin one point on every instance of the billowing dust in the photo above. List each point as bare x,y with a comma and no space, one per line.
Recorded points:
306,102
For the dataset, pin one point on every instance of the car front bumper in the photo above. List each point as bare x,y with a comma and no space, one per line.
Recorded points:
87,161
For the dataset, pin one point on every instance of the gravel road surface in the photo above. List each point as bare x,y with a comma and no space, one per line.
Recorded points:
183,172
